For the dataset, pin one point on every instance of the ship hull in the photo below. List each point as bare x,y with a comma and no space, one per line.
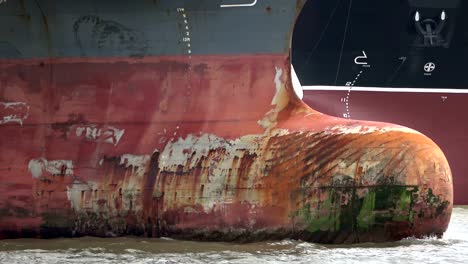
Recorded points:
389,62
178,119
436,114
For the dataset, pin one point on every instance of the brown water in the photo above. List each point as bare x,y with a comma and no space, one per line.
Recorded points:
453,248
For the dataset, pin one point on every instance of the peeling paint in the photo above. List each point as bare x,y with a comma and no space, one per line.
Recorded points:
279,101
137,162
53,167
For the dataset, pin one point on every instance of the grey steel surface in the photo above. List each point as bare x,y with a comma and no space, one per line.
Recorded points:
70,28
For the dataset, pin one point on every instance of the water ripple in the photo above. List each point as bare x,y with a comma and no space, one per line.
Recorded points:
452,248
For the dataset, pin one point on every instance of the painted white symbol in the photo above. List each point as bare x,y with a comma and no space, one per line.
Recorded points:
107,134
13,112
443,16
358,58
417,17
3,1
429,67
239,5
444,98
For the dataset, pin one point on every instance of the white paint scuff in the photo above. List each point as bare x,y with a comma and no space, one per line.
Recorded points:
278,85
82,195
13,112
280,101
137,162
37,167
224,156
181,150
134,160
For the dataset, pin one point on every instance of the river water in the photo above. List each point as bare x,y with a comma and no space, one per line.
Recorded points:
452,248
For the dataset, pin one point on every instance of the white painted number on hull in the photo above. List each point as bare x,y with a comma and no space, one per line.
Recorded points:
239,5
3,1
186,39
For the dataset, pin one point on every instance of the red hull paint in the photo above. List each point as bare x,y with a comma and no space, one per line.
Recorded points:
152,100
206,147
437,115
